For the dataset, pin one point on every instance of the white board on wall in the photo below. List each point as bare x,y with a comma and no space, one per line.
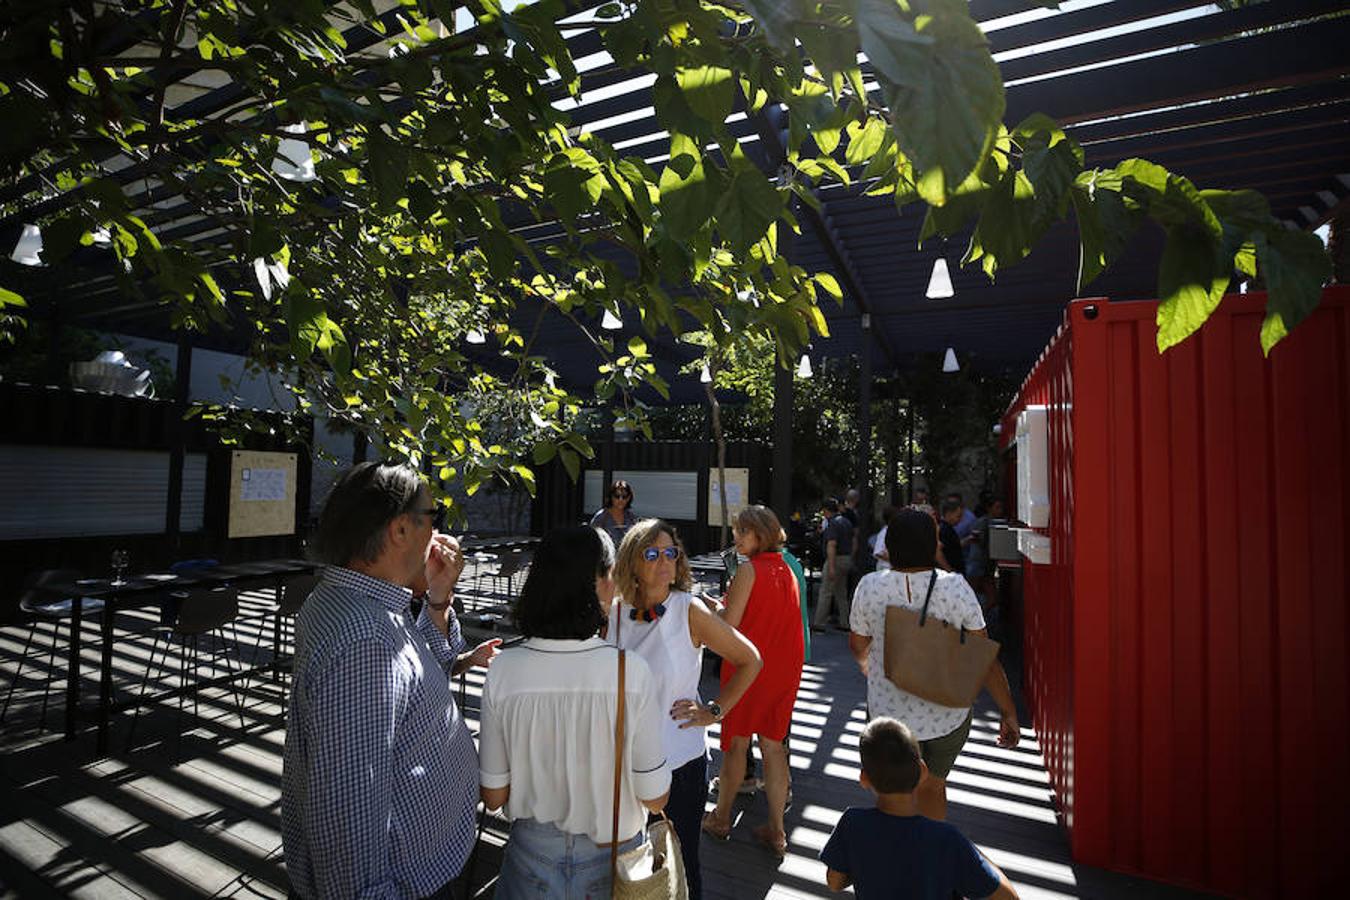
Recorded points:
262,493
738,495
663,495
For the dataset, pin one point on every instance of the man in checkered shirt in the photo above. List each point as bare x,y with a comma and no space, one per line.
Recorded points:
380,778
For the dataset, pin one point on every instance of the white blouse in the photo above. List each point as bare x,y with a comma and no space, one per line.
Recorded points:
549,708
953,602
676,665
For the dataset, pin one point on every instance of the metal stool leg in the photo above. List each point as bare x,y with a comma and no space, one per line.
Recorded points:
140,697
229,667
23,656
51,667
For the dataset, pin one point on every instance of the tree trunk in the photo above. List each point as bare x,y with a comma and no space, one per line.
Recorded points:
721,441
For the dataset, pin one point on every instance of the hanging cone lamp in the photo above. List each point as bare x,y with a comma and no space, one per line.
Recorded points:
940,282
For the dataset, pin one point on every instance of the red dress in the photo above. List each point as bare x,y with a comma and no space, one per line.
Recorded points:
773,623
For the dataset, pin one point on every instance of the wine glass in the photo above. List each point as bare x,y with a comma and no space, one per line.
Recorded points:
120,560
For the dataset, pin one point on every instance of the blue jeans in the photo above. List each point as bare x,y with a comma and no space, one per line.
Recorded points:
542,861
688,797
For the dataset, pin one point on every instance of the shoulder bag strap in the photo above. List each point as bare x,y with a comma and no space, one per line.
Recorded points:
618,770
923,616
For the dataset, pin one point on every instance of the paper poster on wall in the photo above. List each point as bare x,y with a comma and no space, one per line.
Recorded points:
262,493
263,484
738,493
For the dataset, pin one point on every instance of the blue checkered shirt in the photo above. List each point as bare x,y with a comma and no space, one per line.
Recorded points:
380,780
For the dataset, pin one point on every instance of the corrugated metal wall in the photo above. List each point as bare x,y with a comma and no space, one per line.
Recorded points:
1187,650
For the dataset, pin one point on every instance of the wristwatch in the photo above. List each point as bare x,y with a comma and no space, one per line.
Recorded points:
715,708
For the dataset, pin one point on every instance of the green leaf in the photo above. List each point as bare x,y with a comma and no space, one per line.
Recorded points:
574,182
307,320
829,284
1105,223
709,91
1008,228
500,253
1243,215
747,208
544,451
526,476
1295,265
945,92
673,111
892,44
830,49
864,140
388,165
775,18
685,201
209,282
1192,279
571,462
9,298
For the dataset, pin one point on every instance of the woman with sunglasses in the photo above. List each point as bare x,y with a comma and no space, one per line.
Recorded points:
658,620
616,516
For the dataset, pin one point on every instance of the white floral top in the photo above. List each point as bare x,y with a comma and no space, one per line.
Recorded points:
953,602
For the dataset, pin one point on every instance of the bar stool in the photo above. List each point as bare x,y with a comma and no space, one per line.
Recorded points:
39,604
186,618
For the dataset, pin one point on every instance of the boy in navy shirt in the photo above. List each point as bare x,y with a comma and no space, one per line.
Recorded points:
890,850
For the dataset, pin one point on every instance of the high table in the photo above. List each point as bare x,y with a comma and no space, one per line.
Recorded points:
275,571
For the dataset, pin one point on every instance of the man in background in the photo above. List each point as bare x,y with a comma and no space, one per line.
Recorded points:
837,539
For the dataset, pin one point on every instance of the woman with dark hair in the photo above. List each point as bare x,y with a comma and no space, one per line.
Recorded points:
659,621
616,516
546,748
764,604
911,543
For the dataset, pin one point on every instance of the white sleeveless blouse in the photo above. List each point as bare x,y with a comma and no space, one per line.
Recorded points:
676,665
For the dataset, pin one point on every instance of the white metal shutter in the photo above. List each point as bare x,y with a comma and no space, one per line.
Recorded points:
48,492
664,495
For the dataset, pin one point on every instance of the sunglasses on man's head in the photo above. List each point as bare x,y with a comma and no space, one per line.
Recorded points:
652,554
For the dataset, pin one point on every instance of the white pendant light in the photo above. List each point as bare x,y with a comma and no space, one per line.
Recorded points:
28,250
475,336
949,363
804,367
293,161
611,322
940,282
705,377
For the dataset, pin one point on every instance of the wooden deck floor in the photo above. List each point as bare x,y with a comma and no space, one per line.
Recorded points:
203,819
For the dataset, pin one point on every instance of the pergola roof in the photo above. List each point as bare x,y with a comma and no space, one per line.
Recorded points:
1257,97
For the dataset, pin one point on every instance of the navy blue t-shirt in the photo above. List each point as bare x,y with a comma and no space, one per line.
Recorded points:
906,857
840,530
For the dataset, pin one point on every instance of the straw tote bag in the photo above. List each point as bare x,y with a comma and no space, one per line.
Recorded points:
654,871
932,659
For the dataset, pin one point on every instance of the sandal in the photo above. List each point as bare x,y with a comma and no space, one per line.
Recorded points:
715,829
775,842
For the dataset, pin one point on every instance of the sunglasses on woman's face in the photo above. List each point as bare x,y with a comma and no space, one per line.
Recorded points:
622,495
652,554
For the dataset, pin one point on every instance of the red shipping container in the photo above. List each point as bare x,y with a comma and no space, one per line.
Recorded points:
1187,645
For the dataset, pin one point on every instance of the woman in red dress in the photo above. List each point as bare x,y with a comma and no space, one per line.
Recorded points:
763,604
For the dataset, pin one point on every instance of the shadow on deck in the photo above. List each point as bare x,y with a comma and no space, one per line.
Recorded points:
155,820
